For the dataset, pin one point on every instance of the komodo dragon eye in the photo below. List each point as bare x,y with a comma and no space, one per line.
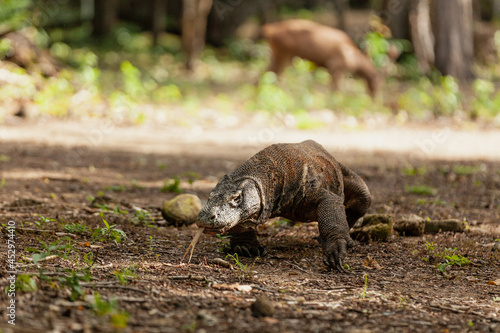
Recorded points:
235,200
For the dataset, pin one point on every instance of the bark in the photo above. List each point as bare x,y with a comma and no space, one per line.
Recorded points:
421,34
194,25
159,18
341,6
453,25
394,14
105,16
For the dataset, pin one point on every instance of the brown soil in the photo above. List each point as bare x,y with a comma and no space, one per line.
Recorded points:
393,287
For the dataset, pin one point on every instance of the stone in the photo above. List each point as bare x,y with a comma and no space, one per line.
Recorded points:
376,227
181,210
452,225
410,225
262,306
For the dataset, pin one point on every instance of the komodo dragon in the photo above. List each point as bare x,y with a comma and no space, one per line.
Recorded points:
301,182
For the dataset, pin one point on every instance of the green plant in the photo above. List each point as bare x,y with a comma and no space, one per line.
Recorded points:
465,170
365,287
450,260
413,171
118,317
116,188
172,185
54,248
222,245
141,216
108,232
77,228
420,189
2,182
125,274
73,282
43,220
234,257
26,283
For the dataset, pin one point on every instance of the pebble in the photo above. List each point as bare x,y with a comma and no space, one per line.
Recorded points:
262,307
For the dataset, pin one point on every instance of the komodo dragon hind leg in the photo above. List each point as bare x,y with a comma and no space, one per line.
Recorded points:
245,243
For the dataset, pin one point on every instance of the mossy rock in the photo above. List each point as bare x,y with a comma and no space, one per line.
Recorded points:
181,210
452,225
375,228
410,225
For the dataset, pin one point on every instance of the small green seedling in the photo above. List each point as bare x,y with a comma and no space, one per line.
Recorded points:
117,317
109,232
455,259
222,245
43,220
77,228
73,282
172,185
420,189
125,274
234,257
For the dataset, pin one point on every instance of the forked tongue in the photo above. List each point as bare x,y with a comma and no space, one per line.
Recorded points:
193,244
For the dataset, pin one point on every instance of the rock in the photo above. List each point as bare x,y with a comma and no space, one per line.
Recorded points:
183,209
262,306
410,225
373,227
435,226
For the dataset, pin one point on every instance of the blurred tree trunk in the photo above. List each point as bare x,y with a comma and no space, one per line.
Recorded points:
194,26
421,34
394,14
453,30
341,6
159,16
105,16
496,9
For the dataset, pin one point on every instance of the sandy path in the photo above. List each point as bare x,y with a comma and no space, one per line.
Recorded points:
417,143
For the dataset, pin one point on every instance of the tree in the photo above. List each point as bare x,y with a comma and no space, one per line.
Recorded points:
194,26
453,24
105,16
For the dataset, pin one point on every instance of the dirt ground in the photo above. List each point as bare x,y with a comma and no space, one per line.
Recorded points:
396,286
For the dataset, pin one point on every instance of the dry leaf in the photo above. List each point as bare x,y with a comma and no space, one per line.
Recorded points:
233,286
371,263
496,282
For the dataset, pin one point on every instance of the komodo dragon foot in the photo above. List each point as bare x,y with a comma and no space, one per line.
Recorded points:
246,244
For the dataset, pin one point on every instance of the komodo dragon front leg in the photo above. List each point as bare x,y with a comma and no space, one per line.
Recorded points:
328,209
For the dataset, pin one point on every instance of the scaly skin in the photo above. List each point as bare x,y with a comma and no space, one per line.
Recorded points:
301,182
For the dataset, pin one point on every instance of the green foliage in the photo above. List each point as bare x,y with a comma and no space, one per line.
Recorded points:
222,245
72,281
172,185
365,287
141,216
485,103
238,264
124,275
77,228
117,317
43,220
413,171
450,260
26,283
61,247
420,189
2,182
14,15
465,170
108,233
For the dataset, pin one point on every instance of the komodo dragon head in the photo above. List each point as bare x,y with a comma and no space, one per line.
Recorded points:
231,202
